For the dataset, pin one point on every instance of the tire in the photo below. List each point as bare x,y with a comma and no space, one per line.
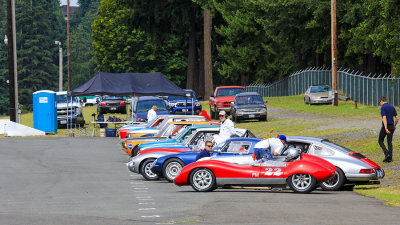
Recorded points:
146,172
172,168
335,183
203,180
135,151
302,183
305,102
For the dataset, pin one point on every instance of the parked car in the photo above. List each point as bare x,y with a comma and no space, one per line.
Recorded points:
184,104
90,100
318,94
113,104
69,110
352,168
248,105
221,99
143,161
169,166
302,174
172,130
141,105
169,118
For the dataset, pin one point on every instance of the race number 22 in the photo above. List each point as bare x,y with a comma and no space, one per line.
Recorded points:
273,172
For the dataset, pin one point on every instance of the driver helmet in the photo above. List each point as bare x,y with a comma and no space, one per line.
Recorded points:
292,153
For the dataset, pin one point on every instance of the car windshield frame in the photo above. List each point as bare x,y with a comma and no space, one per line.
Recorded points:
226,92
249,99
65,99
319,89
146,105
107,97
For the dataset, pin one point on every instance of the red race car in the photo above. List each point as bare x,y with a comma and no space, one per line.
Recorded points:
302,173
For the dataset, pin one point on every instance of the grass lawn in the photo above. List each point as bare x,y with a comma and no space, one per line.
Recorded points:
369,147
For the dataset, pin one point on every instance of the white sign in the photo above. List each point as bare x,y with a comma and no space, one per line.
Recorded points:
43,100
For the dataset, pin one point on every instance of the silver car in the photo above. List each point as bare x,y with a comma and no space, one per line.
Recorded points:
318,94
352,168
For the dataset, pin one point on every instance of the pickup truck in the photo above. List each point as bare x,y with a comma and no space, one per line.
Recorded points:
69,110
222,98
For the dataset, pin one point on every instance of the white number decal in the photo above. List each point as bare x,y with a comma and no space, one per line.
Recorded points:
273,172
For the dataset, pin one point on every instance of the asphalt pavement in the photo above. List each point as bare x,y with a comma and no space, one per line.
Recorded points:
85,181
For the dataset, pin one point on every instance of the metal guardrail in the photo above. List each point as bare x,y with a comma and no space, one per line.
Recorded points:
366,89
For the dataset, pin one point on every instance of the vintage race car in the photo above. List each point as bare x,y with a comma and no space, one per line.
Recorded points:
233,150
352,168
303,174
173,130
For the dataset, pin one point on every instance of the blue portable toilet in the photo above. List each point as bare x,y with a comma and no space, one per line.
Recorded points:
45,111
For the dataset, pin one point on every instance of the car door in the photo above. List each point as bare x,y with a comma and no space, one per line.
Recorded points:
235,152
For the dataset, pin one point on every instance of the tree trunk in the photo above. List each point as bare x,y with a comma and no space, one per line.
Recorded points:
208,79
201,70
192,71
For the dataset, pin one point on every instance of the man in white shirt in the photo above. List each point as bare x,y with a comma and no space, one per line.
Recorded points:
269,147
151,114
227,129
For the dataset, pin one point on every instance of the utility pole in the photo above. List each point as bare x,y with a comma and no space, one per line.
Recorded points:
68,49
334,53
12,61
60,64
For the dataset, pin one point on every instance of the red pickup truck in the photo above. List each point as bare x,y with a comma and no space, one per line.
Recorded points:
222,98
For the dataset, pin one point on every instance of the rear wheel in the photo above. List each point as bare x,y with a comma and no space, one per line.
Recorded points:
202,179
335,183
302,183
172,168
146,171
305,102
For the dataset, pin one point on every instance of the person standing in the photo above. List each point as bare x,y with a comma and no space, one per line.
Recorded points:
206,151
227,129
388,112
151,114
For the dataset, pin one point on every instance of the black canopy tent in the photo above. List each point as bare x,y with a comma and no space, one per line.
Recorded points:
128,84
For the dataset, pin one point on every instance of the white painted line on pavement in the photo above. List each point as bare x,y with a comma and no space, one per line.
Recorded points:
152,216
145,188
147,209
146,203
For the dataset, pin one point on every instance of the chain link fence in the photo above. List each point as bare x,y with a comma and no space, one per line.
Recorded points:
366,89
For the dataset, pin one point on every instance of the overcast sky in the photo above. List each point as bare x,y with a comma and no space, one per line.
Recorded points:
71,2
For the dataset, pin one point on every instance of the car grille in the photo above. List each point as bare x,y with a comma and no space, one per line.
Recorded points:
65,111
182,104
226,104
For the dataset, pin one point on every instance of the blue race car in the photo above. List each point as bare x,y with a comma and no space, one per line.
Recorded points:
235,150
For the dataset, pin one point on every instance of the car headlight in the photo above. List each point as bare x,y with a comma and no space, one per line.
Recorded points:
171,104
262,110
239,111
219,103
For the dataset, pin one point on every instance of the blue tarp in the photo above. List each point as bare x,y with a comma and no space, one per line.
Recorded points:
128,84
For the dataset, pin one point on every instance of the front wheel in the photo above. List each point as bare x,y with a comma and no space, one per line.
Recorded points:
202,179
146,171
335,183
172,168
302,183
